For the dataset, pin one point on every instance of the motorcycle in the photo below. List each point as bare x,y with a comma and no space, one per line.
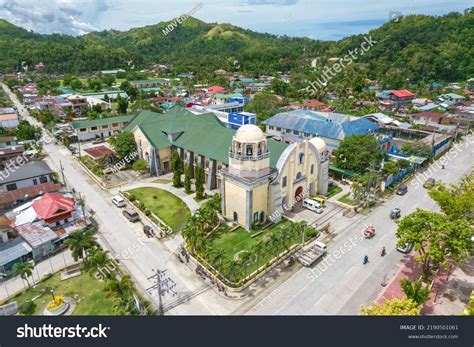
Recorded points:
383,253
366,260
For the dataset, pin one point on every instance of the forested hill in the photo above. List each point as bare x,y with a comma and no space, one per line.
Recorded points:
418,47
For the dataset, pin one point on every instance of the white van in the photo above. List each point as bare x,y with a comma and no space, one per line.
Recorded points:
312,205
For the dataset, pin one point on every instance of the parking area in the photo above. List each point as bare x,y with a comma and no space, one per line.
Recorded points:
330,213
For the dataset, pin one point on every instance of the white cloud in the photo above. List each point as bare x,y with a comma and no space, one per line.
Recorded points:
73,17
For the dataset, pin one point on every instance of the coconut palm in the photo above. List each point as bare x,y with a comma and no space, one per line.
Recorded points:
24,270
99,261
120,288
81,241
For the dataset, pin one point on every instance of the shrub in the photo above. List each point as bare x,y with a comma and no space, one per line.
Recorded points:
27,308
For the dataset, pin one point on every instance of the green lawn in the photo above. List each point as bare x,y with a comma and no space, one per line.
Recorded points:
345,199
240,240
171,209
85,289
333,190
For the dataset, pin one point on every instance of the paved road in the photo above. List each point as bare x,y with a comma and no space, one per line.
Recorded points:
339,289
343,283
125,240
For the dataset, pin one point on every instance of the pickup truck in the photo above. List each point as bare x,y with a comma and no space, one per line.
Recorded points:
311,253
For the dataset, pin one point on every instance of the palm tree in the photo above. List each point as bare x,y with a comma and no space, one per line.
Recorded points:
218,258
120,288
79,242
414,291
99,261
24,270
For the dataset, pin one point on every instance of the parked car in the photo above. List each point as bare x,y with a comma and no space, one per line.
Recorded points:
430,182
118,201
312,205
395,213
405,249
98,140
131,215
402,190
319,199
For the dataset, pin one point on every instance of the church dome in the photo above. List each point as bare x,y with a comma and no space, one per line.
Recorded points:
249,133
319,144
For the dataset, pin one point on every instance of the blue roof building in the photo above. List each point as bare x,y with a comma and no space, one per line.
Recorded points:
294,126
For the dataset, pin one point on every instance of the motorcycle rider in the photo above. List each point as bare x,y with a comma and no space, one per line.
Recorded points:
383,251
366,259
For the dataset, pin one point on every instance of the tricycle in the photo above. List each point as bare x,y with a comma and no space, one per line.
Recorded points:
369,232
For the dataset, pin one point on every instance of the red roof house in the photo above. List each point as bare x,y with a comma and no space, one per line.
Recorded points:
402,95
313,104
216,90
53,208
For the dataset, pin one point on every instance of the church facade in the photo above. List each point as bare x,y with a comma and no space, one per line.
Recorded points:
259,178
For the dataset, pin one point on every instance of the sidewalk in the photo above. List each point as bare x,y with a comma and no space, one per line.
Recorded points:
48,266
449,293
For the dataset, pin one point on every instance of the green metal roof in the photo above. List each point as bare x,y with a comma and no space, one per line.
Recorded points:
202,134
144,81
100,121
225,96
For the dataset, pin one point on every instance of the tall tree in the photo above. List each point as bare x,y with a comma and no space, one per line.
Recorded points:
176,165
199,182
357,153
124,144
80,242
187,179
24,270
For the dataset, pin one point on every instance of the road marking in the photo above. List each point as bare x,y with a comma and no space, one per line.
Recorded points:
348,271
317,302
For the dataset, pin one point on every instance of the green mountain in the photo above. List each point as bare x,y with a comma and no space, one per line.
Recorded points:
417,47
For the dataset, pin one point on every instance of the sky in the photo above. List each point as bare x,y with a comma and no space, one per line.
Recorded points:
318,19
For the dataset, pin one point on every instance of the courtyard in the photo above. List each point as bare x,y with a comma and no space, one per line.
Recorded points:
88,292
167,206
238,253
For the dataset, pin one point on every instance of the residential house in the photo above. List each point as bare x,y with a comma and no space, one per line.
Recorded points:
313,105
41,239
9,149
111,95
102,127
29,174
427,118
13,198
8,118
225,98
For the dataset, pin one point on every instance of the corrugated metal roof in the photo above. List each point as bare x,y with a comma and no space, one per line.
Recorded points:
13,250
35,234
100,121
323,124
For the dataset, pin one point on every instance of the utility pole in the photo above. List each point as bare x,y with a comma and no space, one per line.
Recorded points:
164,285
62,173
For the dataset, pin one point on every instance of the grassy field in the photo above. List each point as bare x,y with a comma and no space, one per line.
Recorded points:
345,199
85,289
333,190
240,240
171,209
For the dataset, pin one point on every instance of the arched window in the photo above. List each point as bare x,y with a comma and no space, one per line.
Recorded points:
312,168
249,150
236,216
298,175
301,158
